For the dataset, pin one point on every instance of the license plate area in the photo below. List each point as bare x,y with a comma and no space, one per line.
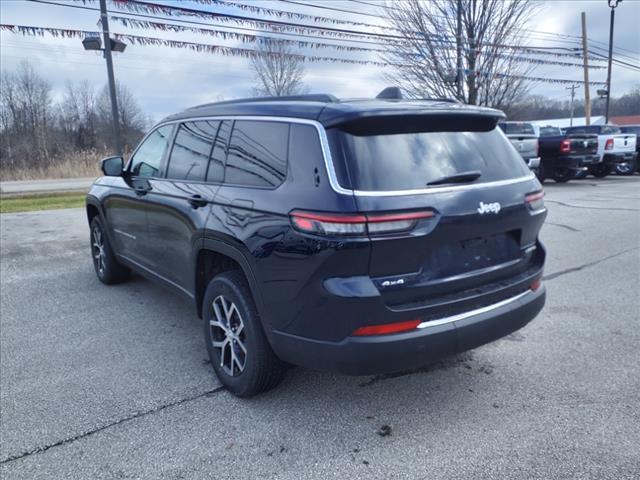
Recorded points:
456,258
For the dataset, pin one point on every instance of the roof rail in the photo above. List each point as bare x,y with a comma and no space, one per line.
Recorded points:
313,97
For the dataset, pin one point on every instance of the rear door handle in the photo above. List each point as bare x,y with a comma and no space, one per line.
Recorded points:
196,201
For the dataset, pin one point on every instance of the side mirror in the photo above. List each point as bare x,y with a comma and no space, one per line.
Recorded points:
112,166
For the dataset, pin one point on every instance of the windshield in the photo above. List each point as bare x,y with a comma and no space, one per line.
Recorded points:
408,161
515,128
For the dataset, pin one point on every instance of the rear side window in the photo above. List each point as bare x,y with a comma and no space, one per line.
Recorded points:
257,154
407,161
147,160
517,127
191,148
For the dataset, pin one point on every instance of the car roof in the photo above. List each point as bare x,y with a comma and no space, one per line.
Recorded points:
329,110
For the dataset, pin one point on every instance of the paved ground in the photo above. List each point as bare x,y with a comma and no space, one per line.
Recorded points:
39,186
112,382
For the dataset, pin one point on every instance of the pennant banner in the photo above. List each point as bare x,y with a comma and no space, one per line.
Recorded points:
243,37
255,8
197,47
246,52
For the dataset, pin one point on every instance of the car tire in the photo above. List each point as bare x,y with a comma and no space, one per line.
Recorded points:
563,175
627,168
237,345
105,263
600,171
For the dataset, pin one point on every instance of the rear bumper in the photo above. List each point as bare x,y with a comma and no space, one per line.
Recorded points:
404,351
617,158
533,163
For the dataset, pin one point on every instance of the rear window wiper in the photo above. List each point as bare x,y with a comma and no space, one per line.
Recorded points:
462,177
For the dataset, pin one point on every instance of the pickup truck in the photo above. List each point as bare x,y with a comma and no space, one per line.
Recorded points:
563,156
524,138
630,168
614,147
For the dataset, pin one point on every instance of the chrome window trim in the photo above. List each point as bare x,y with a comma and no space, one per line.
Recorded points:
473,313
328,160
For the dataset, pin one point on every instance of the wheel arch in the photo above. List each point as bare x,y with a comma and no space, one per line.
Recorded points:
225,257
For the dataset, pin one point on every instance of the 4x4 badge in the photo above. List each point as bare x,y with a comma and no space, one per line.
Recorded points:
488,208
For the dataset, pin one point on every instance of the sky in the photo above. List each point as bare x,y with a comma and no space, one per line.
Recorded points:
165,80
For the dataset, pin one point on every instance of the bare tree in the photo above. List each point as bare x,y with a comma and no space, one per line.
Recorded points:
25,102
132,121
426,58
277,70
78,118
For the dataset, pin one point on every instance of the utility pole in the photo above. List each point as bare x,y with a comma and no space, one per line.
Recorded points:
587,94
573,94
612,4
117,142
459,51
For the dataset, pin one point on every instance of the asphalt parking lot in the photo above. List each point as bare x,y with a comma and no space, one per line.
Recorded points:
113,382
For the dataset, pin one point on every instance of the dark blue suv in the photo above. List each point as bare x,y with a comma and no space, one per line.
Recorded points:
361,236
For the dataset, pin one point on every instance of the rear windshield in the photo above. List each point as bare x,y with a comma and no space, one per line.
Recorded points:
550,132
408,161
635,130
515,128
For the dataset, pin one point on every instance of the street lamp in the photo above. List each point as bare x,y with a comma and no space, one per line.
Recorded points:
93,42
612,5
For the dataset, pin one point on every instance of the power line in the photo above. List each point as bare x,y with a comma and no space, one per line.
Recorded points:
170,10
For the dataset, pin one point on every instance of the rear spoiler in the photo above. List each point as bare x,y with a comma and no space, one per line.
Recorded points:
381,123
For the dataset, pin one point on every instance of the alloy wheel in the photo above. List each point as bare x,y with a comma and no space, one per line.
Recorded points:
228,336
99,254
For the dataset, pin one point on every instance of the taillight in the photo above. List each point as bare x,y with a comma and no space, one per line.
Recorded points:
565,146
609,144
387,328
535,200
357,224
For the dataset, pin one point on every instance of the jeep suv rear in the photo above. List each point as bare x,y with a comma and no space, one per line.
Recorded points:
360,236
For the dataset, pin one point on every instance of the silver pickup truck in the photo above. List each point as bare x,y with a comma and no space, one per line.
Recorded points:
614,147
524,138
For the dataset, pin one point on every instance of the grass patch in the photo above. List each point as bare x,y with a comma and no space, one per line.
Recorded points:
44,201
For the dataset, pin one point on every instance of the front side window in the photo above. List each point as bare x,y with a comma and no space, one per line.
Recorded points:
147,161
191,148
257,154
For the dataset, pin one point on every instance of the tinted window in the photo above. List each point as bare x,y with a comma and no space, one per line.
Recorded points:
219,153
635,130
404,161
610,130
517,127
257,154
147,160
550,131
585,129
191,148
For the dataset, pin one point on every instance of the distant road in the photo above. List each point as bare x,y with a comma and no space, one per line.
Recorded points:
36,186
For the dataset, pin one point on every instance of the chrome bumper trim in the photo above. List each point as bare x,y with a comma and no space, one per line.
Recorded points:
472,313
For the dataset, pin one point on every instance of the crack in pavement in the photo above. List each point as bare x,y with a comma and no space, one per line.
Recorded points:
593,208
133,416
568,227
551,276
